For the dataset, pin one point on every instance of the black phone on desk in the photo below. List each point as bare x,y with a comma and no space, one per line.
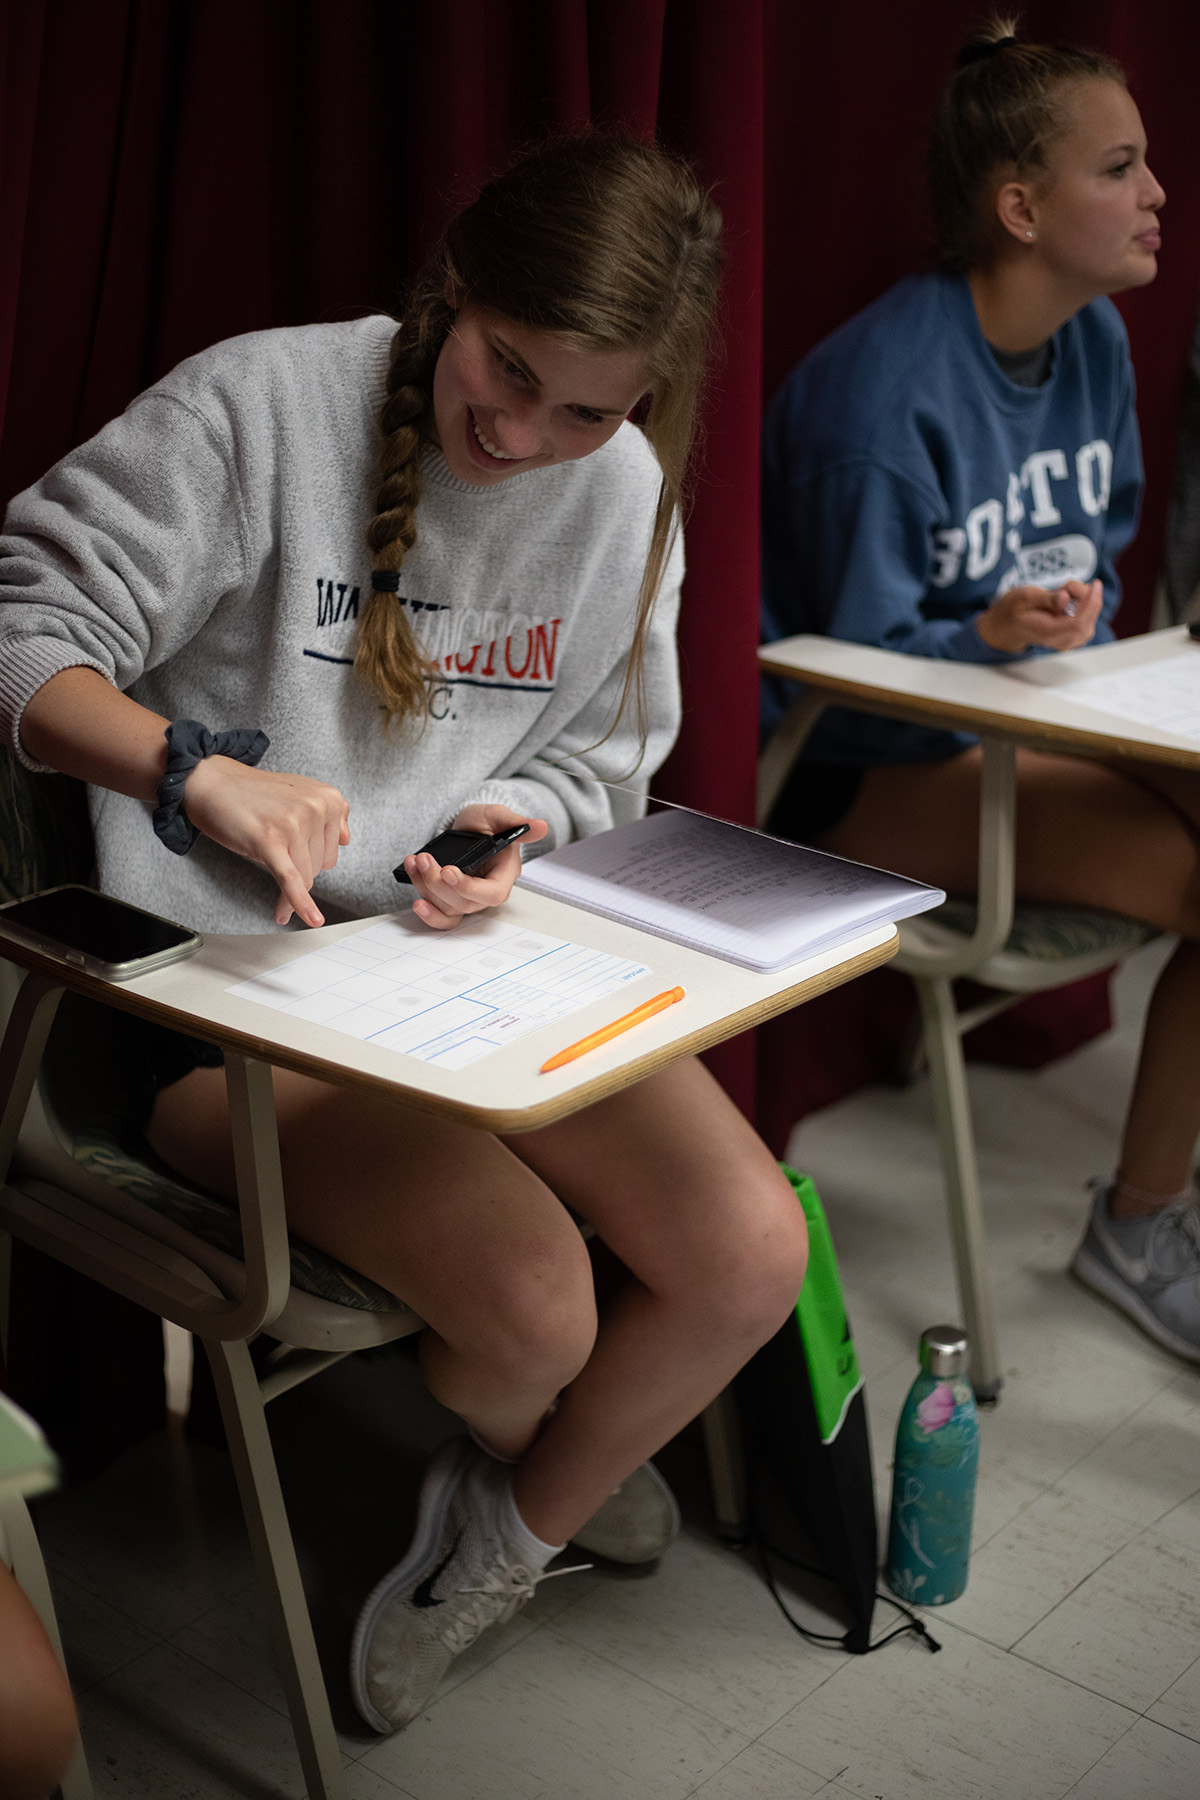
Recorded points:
465,850
94,932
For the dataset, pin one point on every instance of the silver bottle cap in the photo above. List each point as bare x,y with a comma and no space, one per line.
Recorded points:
944,1350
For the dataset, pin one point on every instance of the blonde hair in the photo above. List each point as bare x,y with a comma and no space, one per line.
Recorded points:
607,243
999,113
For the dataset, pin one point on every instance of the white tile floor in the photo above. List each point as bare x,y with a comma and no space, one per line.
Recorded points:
1071,1666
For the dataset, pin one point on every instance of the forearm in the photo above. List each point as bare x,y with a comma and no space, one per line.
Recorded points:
899,623
288,824
78,722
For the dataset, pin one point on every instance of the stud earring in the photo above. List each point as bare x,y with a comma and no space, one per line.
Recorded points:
1029,234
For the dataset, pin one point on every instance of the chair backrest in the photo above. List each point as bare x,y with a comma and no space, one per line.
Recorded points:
45,839
45,831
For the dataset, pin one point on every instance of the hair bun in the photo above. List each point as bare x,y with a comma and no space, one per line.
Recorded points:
979,52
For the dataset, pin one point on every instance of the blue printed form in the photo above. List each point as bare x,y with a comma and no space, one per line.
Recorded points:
446,998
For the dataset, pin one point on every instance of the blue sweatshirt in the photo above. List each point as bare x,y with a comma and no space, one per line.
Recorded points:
907,481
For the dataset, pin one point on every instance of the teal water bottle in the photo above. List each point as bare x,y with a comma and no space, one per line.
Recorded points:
933,1483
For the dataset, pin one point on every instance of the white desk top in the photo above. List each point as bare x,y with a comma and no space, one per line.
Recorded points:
503,1091
1022,700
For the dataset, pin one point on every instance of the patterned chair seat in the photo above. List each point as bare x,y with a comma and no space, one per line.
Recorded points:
95,1118
1053,933
133,1167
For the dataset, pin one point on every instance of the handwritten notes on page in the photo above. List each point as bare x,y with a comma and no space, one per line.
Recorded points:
1165,694
732,892
443,997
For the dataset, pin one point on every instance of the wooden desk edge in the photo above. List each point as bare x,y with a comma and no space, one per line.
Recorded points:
925,710
757,1013
498,1119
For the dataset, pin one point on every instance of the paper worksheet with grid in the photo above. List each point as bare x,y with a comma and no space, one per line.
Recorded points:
442,997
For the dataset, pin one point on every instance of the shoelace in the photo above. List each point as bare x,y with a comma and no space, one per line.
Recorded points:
506,1585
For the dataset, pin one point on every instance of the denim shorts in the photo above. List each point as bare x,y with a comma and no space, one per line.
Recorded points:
124,1062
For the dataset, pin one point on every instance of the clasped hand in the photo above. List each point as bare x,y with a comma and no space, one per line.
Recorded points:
294,827
1050,618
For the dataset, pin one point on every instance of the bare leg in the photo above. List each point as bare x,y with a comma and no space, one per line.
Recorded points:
38,1728
689,1198
1088,834
445,1217
469,1231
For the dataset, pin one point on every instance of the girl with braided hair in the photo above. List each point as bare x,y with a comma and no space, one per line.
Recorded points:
505,648
953,473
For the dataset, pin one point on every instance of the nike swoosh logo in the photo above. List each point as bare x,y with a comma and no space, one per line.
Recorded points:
423,1595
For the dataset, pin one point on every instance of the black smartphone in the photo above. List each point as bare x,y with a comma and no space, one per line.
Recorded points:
93,931
466,850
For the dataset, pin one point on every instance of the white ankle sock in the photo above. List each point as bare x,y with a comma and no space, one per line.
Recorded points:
516,1532
1148,1203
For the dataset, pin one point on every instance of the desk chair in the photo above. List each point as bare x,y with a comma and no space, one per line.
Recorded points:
78,1194
73,1185
1015,949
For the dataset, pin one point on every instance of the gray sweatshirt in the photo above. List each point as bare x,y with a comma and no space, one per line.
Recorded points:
206,552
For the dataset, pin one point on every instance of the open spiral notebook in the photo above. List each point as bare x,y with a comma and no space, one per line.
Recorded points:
759,901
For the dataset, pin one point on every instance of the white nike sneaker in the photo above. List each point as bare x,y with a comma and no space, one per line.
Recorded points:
457,1579
636,1523
1148,1267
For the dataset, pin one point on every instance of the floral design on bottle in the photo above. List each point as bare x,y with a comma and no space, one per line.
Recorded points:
933,1486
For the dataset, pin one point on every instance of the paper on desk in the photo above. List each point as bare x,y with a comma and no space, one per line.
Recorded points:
445,998
1165,694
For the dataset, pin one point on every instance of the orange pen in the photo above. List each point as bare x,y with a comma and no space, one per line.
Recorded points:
645,1011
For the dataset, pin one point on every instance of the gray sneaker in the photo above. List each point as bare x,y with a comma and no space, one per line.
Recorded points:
637,1521
1148,1267
456,1580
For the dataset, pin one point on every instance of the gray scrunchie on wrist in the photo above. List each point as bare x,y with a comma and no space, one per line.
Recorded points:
189,742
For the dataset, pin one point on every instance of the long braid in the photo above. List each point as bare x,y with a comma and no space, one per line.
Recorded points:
399,459
387,655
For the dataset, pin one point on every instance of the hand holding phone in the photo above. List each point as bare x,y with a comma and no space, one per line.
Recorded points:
467,851
1062,618
446,893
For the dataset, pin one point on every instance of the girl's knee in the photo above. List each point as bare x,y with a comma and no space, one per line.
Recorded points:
763,1289
539,1327
752,1278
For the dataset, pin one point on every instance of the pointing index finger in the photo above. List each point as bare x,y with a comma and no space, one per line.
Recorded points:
294,895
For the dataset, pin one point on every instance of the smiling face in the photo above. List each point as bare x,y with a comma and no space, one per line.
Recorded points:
1093,211
507,398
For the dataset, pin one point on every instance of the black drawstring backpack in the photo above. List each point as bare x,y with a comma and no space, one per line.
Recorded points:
803,1408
